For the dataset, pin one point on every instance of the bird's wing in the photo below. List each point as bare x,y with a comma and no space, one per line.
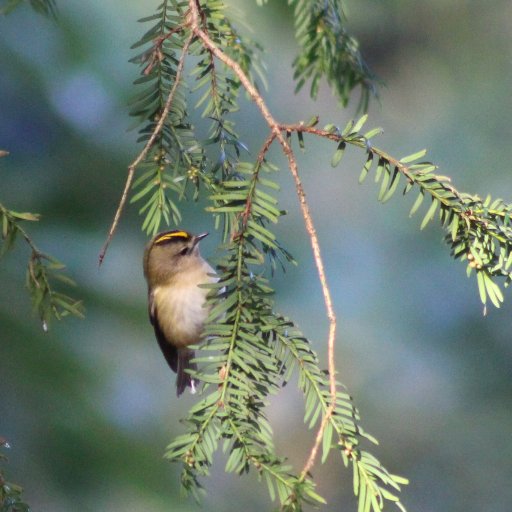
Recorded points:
169,351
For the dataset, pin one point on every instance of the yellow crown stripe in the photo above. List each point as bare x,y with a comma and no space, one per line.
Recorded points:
172,234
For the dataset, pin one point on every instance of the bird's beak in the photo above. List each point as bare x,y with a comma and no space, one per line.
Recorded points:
198,238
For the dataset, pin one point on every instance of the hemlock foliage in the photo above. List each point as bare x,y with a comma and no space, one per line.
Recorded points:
44,275
250,350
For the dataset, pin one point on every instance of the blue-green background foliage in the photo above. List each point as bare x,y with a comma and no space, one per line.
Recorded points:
89,407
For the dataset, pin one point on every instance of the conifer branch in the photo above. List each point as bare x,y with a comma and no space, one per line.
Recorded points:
328,51
253,348
43,270
479,231
145,150
253,93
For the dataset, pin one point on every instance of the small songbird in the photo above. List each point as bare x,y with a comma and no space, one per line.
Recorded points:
174,269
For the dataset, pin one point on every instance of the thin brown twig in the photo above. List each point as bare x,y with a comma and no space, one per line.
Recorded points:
259,161
158,128
336,137
308,221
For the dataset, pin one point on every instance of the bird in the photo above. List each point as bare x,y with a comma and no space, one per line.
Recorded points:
174,269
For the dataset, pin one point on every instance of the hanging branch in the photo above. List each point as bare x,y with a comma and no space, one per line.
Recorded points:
43,271
255,349
479,231
308,221
328,51
158,128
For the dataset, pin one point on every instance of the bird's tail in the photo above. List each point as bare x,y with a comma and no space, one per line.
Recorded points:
183,378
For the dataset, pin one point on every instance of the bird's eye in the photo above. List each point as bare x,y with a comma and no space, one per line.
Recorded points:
183,251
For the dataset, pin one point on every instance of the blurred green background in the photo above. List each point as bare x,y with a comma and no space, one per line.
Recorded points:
89,407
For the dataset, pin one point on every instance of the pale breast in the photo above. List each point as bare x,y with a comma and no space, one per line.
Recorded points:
181,309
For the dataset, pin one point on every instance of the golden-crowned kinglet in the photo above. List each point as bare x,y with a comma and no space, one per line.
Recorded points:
174,269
